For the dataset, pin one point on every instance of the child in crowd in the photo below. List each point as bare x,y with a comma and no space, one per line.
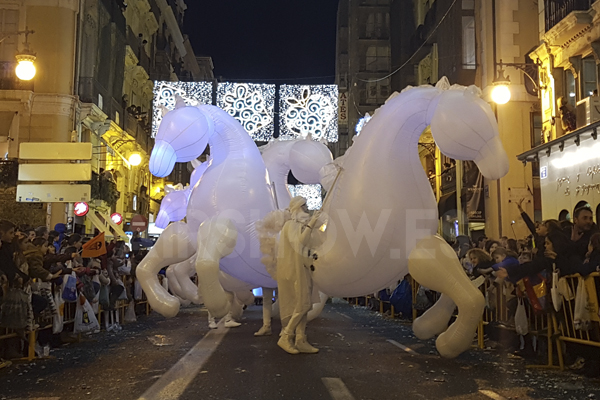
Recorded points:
592,258
480,260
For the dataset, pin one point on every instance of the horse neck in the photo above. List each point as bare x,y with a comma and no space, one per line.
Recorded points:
229,139
389,142
276,157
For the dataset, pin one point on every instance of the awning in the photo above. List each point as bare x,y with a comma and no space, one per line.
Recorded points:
97,223
447,203
102,227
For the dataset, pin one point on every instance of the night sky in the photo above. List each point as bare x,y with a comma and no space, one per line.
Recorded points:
265,41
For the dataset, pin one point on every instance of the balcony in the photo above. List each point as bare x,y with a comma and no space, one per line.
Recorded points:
90,88
9,80
557,10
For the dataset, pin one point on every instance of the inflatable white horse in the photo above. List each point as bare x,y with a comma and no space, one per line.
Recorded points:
306,158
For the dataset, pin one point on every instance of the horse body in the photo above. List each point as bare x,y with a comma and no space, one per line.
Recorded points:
382,186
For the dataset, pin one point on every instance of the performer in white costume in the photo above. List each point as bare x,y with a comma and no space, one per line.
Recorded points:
294,279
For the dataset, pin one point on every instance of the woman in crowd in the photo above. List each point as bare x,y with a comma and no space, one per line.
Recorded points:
558,251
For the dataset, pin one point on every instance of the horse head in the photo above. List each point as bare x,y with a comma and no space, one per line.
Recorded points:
307,158
465,128
173,206
182,136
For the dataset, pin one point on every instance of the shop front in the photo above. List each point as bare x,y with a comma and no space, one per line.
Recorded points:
569,173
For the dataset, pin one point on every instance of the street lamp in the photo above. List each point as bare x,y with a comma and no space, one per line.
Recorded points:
25,70
135,159
501,93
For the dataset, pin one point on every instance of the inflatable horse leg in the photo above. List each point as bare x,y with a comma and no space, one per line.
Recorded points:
216,239
175,287
265,329
183,272
173,246
433,264
435,320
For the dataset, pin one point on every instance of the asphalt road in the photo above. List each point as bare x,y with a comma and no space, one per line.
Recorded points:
362,356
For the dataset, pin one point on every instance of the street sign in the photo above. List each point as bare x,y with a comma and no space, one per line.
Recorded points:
139,223
55,172
53,193
81,208
117,218
55,151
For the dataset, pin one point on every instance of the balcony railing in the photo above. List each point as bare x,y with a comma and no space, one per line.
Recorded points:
557,10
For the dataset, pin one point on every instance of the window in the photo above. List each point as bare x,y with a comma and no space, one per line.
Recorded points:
589,77
570,88
377,59
468,4
376,25
468,45
374,93
536,129
9,23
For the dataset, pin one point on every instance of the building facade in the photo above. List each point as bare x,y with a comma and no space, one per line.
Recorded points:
466,41
567,151
96,62
363,62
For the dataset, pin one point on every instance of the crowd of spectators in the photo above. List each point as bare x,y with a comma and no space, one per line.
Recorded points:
569,247
35,265
525,269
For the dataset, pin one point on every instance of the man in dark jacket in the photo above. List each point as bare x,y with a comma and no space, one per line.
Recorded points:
13,274
582,230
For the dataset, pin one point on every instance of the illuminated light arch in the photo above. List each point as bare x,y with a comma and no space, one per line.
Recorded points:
193,93
308,110
253,105
361,123
312,194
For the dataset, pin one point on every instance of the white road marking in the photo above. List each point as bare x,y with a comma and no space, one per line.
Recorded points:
337,389
492,395
403,347
344,315
176,380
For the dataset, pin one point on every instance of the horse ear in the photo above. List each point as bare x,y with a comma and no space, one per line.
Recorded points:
473,91
179,102
443,84
195,163
309,137
169,189
163,110
179,186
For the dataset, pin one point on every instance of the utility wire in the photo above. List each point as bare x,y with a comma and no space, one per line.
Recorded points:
416,51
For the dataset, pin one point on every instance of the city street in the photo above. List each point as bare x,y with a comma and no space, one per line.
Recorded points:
362,356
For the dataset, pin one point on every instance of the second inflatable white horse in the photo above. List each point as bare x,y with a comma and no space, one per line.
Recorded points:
233,193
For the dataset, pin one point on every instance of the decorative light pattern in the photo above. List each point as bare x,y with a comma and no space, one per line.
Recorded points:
193,93
361,123
305,110
312,194
252,105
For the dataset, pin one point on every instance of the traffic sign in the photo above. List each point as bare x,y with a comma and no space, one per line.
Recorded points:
81,208
117,218
139,223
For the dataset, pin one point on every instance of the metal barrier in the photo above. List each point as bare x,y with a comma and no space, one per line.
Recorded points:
569,333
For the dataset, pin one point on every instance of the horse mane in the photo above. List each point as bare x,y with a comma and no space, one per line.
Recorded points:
268,230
